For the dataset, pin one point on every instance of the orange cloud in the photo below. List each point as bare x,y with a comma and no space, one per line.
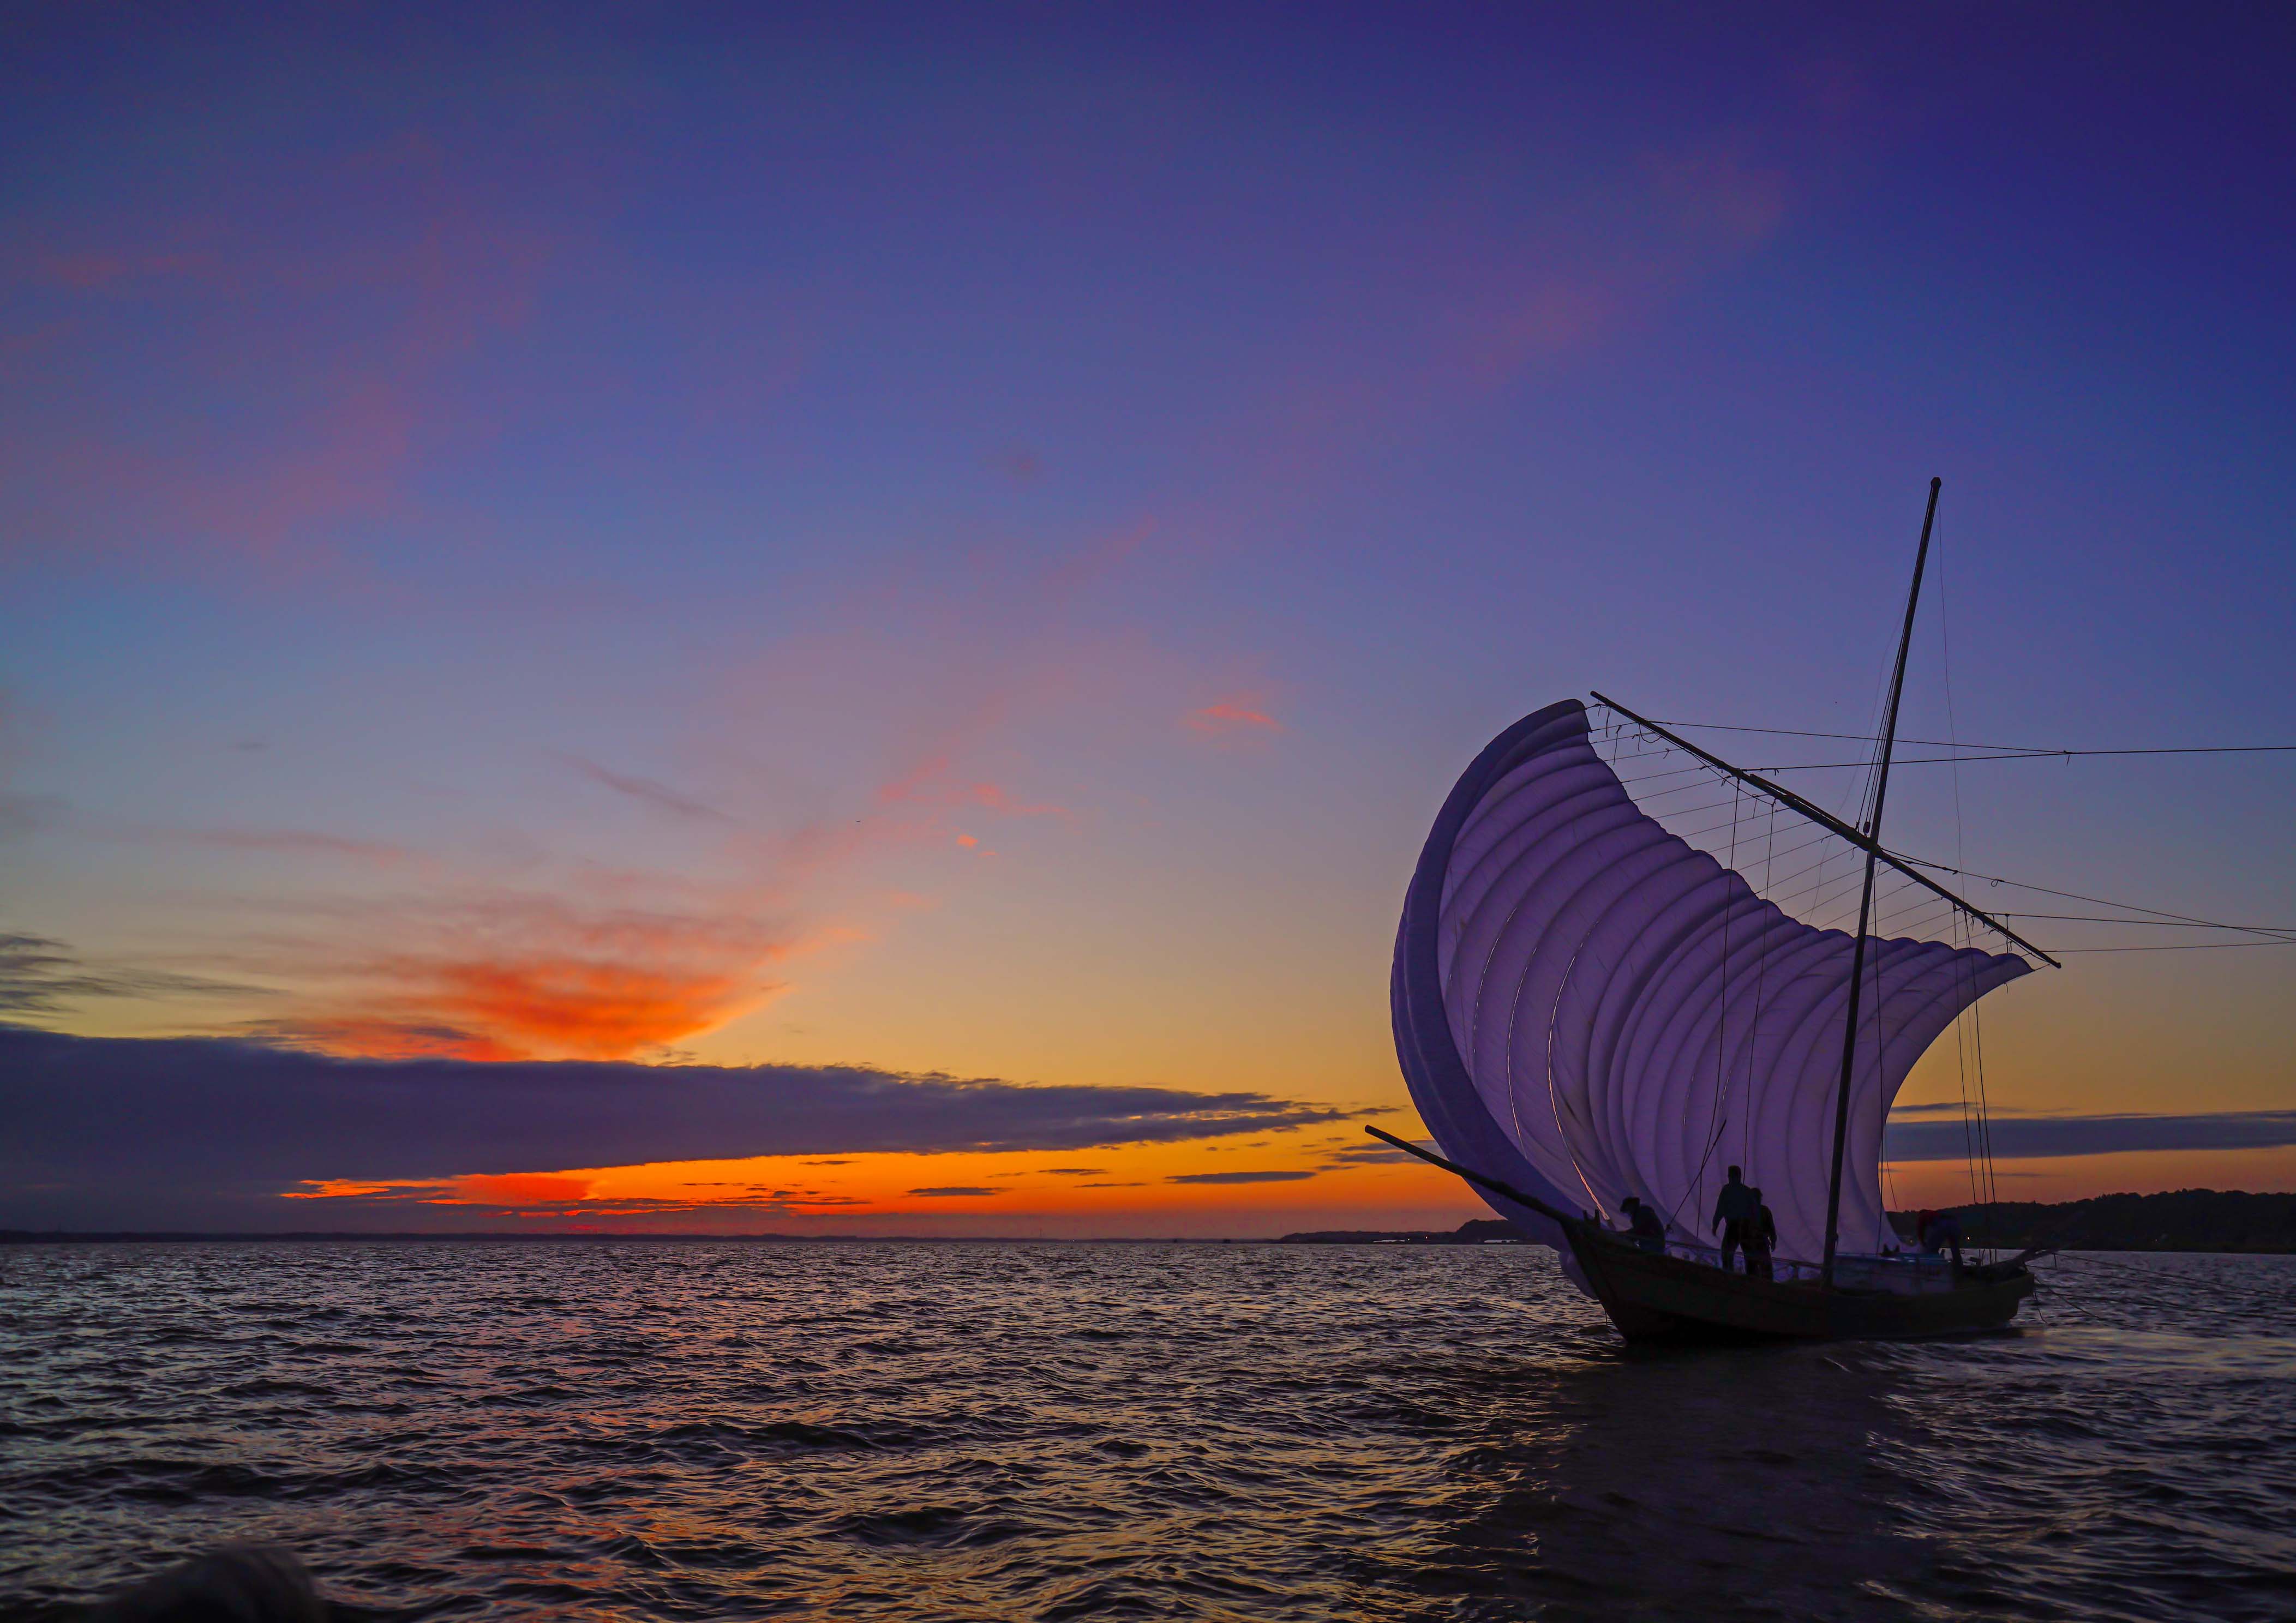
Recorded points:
1177,1188
589,1009
512,976
555,1197
540,1006
520,1188
340,1189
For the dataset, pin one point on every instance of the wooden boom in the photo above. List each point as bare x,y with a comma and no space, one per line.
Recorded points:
1552,1214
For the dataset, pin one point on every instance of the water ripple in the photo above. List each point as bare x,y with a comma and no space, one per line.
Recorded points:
693,1432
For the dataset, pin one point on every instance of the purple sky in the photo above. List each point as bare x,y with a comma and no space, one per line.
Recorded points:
973,539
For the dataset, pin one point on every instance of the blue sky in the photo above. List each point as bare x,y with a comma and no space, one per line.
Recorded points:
577,532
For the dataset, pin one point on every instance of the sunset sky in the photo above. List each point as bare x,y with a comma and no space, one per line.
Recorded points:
949,555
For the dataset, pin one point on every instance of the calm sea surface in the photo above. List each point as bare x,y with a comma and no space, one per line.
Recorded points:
692,1430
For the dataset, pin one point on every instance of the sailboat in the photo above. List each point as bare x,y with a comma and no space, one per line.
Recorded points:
1588,1007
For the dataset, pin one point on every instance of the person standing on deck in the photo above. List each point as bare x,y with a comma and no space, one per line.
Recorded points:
1733,1211
1941,1232
1761,1238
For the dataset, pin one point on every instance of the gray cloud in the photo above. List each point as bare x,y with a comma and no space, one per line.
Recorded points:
660,795
956,1189
1237,1177
38,975
2049,1137
119,1133
1358,1155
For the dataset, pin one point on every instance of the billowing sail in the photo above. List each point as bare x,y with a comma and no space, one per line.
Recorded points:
1588,1007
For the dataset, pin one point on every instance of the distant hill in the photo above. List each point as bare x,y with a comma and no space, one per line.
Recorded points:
1475,1231
2188,1220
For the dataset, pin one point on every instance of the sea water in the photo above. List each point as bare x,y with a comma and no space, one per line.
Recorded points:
665,1430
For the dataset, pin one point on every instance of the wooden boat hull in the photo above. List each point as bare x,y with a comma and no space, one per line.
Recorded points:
1657,1297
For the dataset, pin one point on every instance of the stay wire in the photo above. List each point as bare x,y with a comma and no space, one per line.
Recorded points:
2010,750
1826,889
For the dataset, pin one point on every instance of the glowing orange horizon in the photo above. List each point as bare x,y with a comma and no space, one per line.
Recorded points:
1270,1186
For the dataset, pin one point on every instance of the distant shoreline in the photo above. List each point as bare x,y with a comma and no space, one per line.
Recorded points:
27,1236
2203,1222
2193,1221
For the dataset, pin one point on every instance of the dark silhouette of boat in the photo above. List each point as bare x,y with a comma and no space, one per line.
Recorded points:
1584,1004
1684,1294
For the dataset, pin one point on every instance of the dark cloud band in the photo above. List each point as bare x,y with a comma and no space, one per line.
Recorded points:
117,1132
2050,1137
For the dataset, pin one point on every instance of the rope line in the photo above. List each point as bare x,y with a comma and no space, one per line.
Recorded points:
1819,891
2011,751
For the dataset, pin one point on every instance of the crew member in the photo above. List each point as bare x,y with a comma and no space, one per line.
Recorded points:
1943,1234
1644,1223
1761,1238
1734,1209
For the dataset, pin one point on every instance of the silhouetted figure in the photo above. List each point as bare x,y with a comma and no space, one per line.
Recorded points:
1941,1232
1922,1220
1644,1223
234,1583
1734,1209
1761,1238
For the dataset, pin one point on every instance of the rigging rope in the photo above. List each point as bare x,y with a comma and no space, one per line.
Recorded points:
1977,1136
2010,751
2026,755
2183,947
1823,899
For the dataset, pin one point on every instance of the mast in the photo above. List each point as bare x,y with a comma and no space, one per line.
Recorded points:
1873,833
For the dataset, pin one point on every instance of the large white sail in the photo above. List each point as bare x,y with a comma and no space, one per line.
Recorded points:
1588,1007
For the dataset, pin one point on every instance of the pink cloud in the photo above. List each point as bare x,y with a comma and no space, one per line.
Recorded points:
1722,200
1497,279
331,349
86,272
1239,713
994,797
